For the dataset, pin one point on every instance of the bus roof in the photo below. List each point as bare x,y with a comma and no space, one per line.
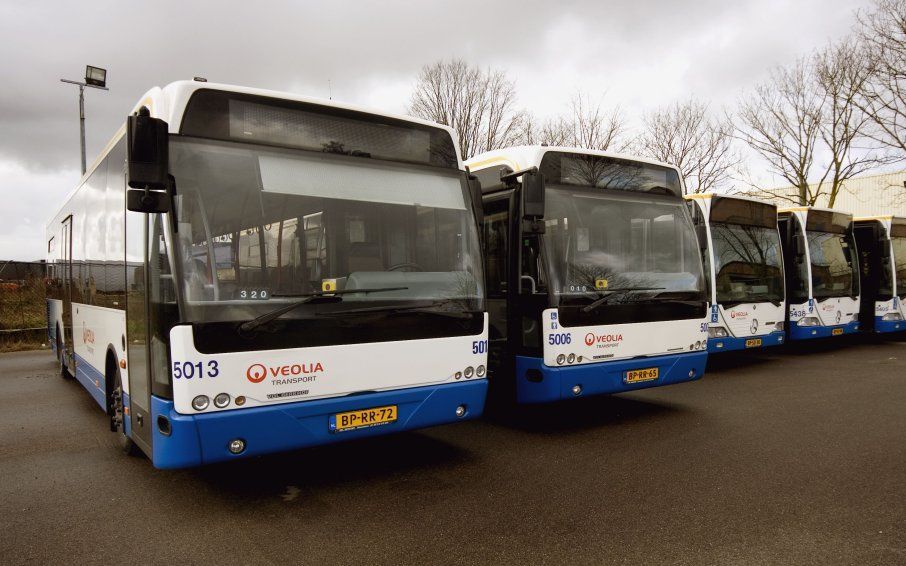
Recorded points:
807,208
169,103
706,196
524,156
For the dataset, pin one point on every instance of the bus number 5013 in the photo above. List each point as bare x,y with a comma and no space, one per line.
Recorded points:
188,370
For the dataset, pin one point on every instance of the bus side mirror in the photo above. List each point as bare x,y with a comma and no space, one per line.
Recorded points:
799,247
701,233
147,151
151,202
532,194
475,192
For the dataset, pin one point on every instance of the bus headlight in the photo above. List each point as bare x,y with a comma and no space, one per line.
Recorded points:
809,321
892,316
779,326
201,403
222,400
560,359
571,359
856,317
469,372
480,371
717,332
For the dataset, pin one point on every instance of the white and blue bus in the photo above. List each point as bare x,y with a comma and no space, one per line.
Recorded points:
822,275
882,268
244,272
594,275
744,268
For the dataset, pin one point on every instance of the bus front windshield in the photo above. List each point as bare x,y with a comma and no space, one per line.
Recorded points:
899,260
833,264
624,245
258,226
747,263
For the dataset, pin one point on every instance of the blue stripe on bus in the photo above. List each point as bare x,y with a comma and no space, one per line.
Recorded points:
731,343
604,377
884,326
810,332
204,438
87,376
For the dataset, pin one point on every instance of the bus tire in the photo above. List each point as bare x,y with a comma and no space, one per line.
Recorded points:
64,371
118,416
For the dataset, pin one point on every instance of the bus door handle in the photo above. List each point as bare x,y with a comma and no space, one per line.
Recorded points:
530,279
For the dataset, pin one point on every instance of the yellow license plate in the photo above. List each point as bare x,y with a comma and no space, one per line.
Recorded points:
753,342
363,418
640,375
837,331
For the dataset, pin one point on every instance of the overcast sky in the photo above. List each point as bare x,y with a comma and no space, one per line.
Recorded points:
642,53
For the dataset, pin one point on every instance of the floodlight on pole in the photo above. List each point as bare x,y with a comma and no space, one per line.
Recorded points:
95,77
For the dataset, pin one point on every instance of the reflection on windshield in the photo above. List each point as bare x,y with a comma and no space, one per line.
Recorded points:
256,224
899,258
832,257
747,263
640,245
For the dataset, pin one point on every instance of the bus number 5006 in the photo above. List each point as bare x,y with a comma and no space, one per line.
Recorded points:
188,370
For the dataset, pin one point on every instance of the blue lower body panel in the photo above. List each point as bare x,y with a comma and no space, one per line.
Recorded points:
538,383
203,439
92,380
883,326
810,332
730,343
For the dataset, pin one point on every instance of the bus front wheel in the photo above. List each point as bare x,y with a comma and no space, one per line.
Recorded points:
64,371
118,418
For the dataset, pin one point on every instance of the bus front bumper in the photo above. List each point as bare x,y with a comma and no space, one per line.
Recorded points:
538,383
883,326
195,440
730,343
810,332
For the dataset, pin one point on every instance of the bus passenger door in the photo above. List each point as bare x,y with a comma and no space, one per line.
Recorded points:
66,260
137,329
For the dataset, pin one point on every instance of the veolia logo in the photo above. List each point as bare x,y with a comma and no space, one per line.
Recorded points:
256,373
738,314
591,338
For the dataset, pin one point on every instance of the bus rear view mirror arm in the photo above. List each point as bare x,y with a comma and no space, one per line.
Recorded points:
147,151
152,202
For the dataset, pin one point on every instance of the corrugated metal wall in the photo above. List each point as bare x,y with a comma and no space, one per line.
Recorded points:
868,195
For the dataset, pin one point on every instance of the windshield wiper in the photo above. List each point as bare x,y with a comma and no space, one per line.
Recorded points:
605,296
251,325
405,308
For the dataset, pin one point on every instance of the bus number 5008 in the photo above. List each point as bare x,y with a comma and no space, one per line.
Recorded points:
559,339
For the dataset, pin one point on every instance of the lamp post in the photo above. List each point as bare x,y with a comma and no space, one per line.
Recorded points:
95,77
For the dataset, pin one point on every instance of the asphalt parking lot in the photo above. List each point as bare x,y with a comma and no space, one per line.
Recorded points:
787,457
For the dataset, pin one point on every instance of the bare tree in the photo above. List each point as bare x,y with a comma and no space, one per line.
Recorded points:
805,123
841,71
882,31
478,104
781,121
587,125
686,135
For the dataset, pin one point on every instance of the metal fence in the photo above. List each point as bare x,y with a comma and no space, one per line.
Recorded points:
23,310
